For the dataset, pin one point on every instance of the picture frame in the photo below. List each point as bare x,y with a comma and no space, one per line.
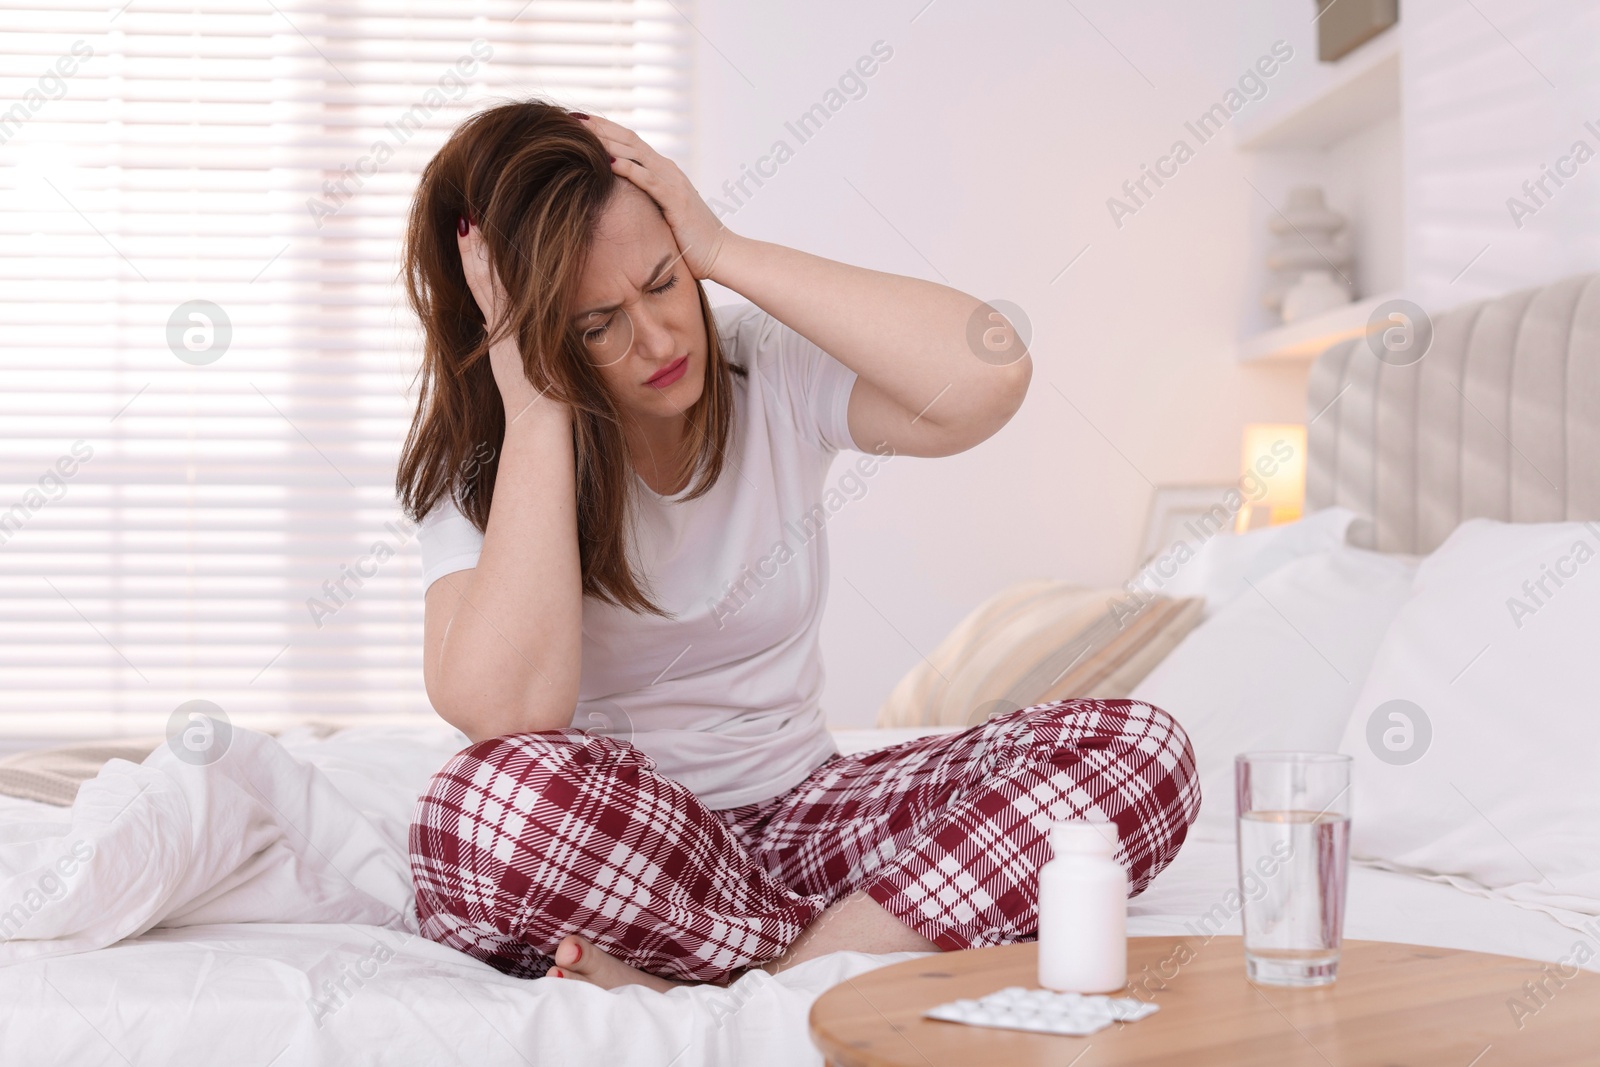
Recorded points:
1174,506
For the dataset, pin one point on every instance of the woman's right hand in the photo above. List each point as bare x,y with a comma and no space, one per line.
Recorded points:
502,640
516,391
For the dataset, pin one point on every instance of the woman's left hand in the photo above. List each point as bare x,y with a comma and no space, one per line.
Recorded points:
699,233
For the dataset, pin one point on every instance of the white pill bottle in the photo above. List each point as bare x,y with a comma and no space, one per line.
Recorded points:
1083,911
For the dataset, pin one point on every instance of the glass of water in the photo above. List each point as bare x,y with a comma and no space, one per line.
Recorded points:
1294,862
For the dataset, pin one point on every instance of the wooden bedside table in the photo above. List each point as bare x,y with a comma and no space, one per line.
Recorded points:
1393,1005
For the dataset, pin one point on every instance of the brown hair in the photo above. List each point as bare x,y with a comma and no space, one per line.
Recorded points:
536,181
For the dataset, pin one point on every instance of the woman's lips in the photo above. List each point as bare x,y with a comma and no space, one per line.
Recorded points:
669,374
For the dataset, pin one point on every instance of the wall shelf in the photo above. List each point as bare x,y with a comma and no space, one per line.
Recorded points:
1337,126
1307,339
1337,100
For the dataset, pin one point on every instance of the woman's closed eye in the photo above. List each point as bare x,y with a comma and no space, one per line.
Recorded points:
597,334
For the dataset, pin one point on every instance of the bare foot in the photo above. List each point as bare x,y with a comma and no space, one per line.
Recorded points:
856,922
577,958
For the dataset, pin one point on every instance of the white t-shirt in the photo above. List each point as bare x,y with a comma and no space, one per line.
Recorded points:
725,695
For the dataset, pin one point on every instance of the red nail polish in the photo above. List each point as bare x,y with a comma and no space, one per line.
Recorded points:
579,115
613,159
555,972
579,957
461,227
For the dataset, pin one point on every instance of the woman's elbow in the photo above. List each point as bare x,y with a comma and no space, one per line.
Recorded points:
522,707
992,403
1012,389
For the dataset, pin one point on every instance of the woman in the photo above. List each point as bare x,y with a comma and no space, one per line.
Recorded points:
619,490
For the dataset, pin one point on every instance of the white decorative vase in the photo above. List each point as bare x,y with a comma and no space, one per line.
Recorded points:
1308,238
1316,291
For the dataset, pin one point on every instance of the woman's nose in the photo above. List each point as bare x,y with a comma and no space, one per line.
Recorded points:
652,339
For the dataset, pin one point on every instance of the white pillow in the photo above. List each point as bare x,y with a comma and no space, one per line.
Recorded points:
1220,567
1497,781
1279,667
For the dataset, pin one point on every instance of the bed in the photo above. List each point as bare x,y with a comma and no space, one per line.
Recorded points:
257,910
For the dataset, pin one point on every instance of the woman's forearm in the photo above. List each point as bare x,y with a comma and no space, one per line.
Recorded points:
910,338
509,654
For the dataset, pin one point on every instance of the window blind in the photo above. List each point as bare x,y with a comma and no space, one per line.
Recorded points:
209,364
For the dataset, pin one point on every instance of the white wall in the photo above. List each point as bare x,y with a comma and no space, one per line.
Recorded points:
984,152
1494,91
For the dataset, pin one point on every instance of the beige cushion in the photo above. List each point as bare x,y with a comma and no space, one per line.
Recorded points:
1036,642
52,775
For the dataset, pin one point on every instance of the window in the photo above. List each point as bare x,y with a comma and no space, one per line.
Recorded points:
208,359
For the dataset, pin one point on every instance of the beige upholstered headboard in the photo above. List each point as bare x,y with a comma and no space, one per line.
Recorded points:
1500,419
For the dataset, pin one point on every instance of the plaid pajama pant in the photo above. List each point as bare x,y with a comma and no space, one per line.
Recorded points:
523,839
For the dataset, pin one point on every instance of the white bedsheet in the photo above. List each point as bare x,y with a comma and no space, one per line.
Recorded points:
1381,906
282,932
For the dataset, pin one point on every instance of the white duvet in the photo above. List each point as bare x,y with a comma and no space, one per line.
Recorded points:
258,836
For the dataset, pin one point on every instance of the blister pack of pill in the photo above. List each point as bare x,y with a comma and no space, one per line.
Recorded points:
1042,1011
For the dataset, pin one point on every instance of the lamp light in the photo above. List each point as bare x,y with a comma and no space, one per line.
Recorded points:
1272,475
